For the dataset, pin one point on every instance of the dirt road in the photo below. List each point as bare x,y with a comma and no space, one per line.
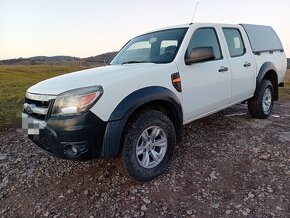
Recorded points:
228,165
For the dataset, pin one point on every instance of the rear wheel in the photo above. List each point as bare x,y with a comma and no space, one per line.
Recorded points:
261,105
148,145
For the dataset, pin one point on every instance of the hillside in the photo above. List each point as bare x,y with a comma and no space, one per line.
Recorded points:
107,57
39,60
94,60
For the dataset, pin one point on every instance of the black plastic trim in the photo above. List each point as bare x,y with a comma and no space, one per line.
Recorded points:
85,131
177,85
266,67
143,96
121,114
113,138
268,51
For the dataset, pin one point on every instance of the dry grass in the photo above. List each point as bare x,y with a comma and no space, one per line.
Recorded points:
287,78
285,92
15,80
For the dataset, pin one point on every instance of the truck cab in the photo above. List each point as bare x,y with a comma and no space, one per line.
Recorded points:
137,105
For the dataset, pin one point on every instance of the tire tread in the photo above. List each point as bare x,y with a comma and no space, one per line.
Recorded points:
137,124
255,104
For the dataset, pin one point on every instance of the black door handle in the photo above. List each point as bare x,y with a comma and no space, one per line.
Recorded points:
223,69
247,64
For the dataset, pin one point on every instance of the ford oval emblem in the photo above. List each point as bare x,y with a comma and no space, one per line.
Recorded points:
28,109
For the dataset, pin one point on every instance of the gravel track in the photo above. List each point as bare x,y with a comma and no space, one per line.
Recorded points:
228,165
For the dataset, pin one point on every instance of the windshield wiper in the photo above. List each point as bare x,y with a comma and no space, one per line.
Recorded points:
134,62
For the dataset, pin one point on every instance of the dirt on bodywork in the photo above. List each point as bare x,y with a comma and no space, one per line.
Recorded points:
228,165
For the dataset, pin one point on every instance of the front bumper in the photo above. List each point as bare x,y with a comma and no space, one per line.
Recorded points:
76,137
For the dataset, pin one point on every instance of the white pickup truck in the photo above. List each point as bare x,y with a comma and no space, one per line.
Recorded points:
137,105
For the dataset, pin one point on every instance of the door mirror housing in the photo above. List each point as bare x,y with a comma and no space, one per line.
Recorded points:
200,54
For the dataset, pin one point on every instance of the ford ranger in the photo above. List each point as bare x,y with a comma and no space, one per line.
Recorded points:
137,105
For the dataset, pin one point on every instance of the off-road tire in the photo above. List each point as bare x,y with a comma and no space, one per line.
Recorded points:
134,130
255,104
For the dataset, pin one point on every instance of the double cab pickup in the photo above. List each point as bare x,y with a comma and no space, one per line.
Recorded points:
159,81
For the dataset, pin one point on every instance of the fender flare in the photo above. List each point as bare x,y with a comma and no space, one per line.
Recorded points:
143,96
120,115
266,67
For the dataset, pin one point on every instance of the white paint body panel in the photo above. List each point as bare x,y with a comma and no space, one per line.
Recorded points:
118,81
205,90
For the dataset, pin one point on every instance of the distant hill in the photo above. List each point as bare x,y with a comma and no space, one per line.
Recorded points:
94,60
107,57
54,58
40,60
288,62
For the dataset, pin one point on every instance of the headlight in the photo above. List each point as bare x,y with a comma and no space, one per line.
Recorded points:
76,101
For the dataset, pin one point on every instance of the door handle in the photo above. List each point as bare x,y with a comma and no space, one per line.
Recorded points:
247,64
223,69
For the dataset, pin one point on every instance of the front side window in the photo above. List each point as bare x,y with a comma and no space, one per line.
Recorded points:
205,37
235,42
156,47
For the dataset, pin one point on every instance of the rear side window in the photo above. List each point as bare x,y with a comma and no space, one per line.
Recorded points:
235,42
205,37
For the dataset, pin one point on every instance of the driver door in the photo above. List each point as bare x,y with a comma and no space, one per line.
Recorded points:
206,85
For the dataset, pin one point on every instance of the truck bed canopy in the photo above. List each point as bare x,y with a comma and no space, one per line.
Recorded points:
262,38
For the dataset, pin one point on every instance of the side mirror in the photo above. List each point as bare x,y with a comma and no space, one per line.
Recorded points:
200,54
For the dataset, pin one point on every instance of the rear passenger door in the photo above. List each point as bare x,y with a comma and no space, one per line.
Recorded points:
207,85
242,63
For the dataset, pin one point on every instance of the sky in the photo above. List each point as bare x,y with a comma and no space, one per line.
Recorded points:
84,28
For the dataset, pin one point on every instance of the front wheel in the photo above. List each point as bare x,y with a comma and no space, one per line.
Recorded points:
148,145
261,105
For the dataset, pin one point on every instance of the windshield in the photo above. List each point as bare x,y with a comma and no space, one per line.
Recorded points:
156,47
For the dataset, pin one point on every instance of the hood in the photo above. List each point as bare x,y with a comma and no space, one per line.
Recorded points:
91,77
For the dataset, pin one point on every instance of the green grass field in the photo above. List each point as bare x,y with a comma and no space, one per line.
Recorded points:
15,80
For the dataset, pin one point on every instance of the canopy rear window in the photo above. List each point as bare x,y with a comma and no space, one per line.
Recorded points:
263,38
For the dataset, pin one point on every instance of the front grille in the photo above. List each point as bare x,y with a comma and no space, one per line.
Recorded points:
39,104
38,116
43,104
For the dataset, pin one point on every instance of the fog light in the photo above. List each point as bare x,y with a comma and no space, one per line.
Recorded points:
74,149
